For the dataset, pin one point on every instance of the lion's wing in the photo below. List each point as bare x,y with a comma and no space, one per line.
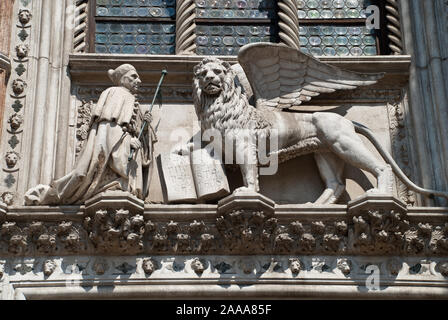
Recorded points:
284,77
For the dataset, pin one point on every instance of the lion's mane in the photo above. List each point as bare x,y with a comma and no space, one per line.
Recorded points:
230,109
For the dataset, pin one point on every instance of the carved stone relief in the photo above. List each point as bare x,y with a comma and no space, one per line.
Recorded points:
214,83
119,155
22,51
211,267
124,232
400,150
25,16
11,158
18,86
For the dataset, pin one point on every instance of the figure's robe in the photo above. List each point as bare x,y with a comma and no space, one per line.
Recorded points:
103,162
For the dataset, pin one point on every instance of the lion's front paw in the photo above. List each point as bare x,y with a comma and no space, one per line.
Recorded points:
244,190
183,149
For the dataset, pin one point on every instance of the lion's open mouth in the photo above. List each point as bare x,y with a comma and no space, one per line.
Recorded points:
212,87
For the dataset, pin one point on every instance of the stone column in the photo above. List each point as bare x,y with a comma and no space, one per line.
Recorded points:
185,27
289,23
45,103
425,40
394,26
6,7
55,42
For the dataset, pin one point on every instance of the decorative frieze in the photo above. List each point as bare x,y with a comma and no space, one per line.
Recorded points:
371,226
257,270
400,150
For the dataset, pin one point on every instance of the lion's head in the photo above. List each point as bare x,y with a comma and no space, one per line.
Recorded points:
219,102
220,99
213,76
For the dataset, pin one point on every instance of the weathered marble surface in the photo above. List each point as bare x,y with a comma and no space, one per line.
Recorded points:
58,82
5,63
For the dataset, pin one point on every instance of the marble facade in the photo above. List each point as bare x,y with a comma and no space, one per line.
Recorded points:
275,243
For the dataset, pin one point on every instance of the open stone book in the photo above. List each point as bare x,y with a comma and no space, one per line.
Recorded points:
196,177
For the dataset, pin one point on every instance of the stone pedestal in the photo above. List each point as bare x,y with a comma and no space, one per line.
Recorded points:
114,222
378,202
246,201
114,200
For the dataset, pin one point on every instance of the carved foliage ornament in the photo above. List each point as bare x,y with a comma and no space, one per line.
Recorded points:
116,231
371,232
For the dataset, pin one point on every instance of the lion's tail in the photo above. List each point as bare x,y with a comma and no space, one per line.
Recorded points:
359,128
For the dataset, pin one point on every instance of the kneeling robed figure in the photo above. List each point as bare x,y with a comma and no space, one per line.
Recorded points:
104,164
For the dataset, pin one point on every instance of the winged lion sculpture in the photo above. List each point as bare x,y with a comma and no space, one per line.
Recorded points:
281,78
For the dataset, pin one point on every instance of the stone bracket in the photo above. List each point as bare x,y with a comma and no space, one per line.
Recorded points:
246,201
114,200
376,202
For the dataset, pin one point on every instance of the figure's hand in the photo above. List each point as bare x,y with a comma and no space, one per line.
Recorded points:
135,144
148,117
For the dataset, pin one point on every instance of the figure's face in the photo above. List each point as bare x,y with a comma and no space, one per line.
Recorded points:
211,77
131,81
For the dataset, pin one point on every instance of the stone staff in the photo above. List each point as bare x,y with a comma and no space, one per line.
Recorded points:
164,73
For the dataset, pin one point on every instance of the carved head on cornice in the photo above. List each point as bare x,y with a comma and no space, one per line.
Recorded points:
198,265
344,265
7,198
148,266
49,267
295,265
25,16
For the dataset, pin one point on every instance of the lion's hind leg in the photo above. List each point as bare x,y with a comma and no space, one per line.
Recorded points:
330,168
340,136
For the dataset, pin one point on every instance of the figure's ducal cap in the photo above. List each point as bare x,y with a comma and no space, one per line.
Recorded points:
115,75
